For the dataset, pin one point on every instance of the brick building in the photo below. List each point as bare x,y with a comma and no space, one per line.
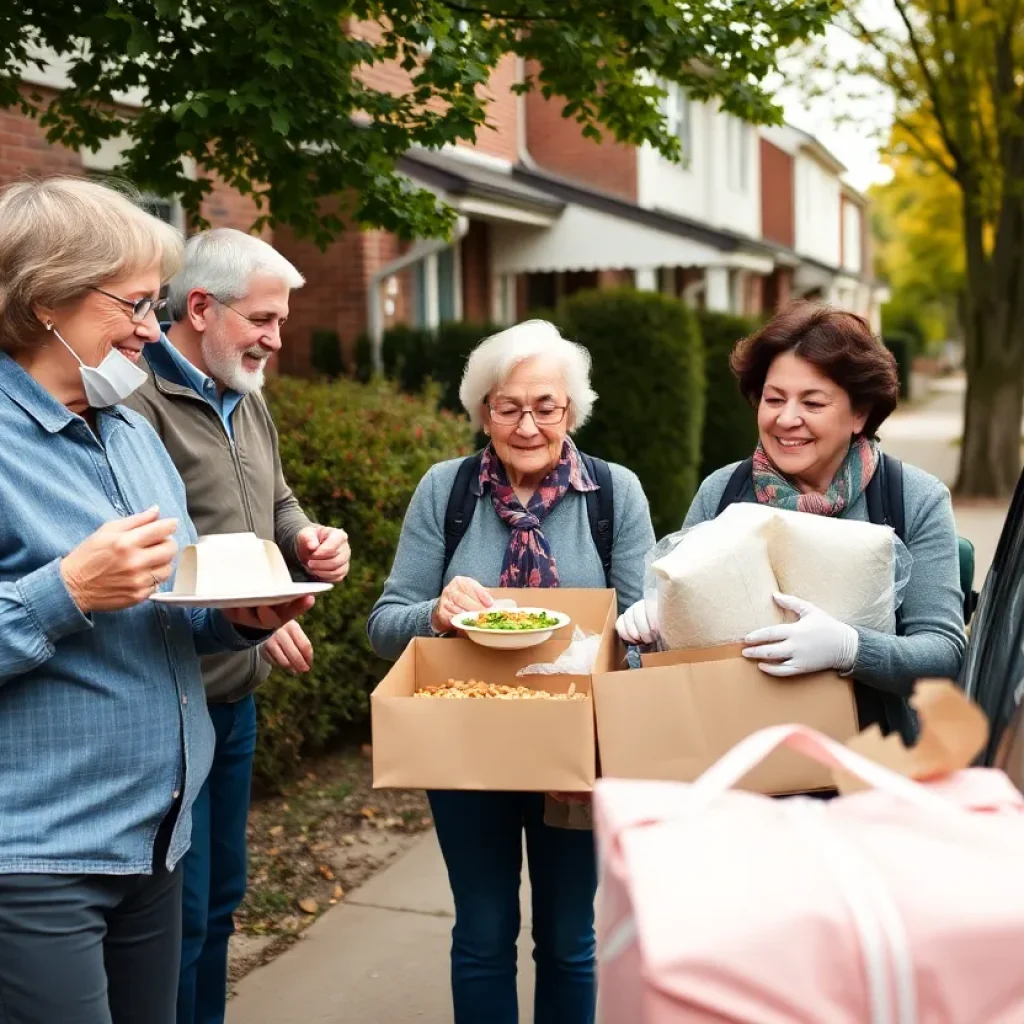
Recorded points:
752,219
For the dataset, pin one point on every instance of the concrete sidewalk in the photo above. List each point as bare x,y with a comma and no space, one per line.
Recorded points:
382,956
379,958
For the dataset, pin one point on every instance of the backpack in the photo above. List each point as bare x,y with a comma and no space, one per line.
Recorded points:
884,496
600,509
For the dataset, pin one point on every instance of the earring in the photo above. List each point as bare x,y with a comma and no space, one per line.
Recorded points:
48,324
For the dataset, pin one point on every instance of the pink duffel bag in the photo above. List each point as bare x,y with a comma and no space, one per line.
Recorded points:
900,904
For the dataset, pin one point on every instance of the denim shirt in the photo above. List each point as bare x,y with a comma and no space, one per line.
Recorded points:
103,720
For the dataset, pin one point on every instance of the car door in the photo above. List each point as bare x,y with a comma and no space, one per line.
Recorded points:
993,672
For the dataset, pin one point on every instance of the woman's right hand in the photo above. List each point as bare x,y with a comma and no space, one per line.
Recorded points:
463,594
637,624
122,563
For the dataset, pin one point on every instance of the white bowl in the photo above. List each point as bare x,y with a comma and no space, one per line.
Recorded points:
510,640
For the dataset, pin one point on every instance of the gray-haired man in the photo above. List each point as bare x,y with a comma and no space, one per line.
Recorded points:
228,305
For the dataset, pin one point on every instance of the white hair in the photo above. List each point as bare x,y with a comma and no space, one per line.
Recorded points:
493,360
223,262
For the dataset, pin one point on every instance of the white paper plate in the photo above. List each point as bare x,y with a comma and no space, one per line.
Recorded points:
510,640
249,601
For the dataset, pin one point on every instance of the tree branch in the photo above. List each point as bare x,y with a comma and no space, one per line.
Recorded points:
927,150
930,82
520,16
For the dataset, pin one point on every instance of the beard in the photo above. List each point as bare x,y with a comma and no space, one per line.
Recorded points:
227,366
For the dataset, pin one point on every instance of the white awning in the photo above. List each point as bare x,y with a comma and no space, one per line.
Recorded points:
808,278
586,239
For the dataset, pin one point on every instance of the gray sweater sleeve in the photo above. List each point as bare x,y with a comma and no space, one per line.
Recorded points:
634,537
933,641
403,610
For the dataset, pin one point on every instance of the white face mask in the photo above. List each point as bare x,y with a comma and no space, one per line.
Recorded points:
109,383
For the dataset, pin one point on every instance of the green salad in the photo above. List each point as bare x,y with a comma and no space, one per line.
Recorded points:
512,620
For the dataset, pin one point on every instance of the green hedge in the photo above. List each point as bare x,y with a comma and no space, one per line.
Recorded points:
412,356
730,424
902,346
353,455
648,369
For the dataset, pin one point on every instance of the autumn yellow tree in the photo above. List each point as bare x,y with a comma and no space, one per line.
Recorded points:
919,248
956,71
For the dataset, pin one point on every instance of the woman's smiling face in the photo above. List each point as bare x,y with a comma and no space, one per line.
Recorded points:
806,421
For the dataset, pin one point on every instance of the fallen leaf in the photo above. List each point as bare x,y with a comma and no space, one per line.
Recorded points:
274,851
338,892
366,750
368,813
289,923
348,839
426,822
285,807
277,830
308,905
311,776
327,872
391,823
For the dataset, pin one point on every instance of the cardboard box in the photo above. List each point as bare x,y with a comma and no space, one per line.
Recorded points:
542,745
675,717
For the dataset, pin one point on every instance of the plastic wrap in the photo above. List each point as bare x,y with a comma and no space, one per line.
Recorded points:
576,660
714,584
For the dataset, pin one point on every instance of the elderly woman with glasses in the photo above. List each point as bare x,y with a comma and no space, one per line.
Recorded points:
105,739
528,388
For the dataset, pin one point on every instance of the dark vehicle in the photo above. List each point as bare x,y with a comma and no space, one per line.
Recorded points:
993,672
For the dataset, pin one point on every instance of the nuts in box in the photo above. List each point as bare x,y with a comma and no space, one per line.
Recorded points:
457,689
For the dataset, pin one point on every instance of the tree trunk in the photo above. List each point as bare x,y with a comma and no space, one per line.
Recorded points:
990,459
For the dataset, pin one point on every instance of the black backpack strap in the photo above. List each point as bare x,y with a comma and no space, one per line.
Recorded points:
601,511
461,506
739,483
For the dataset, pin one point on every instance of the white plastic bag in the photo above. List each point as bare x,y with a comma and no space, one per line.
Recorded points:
714,586
576,660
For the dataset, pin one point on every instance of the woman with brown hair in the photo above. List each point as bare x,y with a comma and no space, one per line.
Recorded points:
822,385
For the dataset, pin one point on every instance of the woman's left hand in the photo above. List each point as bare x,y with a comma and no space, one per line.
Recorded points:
816,642
269,617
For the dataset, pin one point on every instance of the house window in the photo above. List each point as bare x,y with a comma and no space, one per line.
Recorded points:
437,288
679,117
737,153
446,292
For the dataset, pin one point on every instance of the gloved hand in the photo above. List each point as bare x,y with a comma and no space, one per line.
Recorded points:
816,642
637,624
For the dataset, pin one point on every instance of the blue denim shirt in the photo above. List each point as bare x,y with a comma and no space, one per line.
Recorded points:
103,720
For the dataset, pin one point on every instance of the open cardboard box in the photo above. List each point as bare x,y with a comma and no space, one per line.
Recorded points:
542,745
680,712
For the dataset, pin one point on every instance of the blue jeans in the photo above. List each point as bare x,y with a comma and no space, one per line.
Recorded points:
214,867
481,838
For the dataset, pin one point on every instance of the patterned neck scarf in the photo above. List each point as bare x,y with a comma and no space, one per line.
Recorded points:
772,488
528,560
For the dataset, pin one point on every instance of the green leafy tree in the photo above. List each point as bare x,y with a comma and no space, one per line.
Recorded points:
956,72
273,96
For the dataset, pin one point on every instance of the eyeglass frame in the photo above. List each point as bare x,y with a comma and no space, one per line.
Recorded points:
524,409
281,321
146,304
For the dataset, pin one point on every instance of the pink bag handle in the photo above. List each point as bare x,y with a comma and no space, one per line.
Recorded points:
747,754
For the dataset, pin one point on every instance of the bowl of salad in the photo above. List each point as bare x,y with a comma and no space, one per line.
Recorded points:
511,629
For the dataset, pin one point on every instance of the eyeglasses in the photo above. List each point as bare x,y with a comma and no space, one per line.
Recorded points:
508,414
141,308
263,322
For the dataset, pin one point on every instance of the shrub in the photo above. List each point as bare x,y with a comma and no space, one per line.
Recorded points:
902,346
649,374
452,344
730,425
325,353
353,455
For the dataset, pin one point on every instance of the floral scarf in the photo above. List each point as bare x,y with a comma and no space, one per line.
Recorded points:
528,559
859,466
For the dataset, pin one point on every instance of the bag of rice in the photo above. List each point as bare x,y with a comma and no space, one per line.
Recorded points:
715,585
848,568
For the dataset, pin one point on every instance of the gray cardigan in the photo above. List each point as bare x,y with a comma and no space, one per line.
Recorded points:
404,608
933,625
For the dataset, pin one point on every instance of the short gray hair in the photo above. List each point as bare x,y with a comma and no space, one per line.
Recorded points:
61,236
494,359
223,262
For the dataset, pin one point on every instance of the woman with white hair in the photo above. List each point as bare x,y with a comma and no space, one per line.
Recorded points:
104,735
528,388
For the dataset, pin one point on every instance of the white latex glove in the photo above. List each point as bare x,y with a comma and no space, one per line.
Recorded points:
637,624
816,642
